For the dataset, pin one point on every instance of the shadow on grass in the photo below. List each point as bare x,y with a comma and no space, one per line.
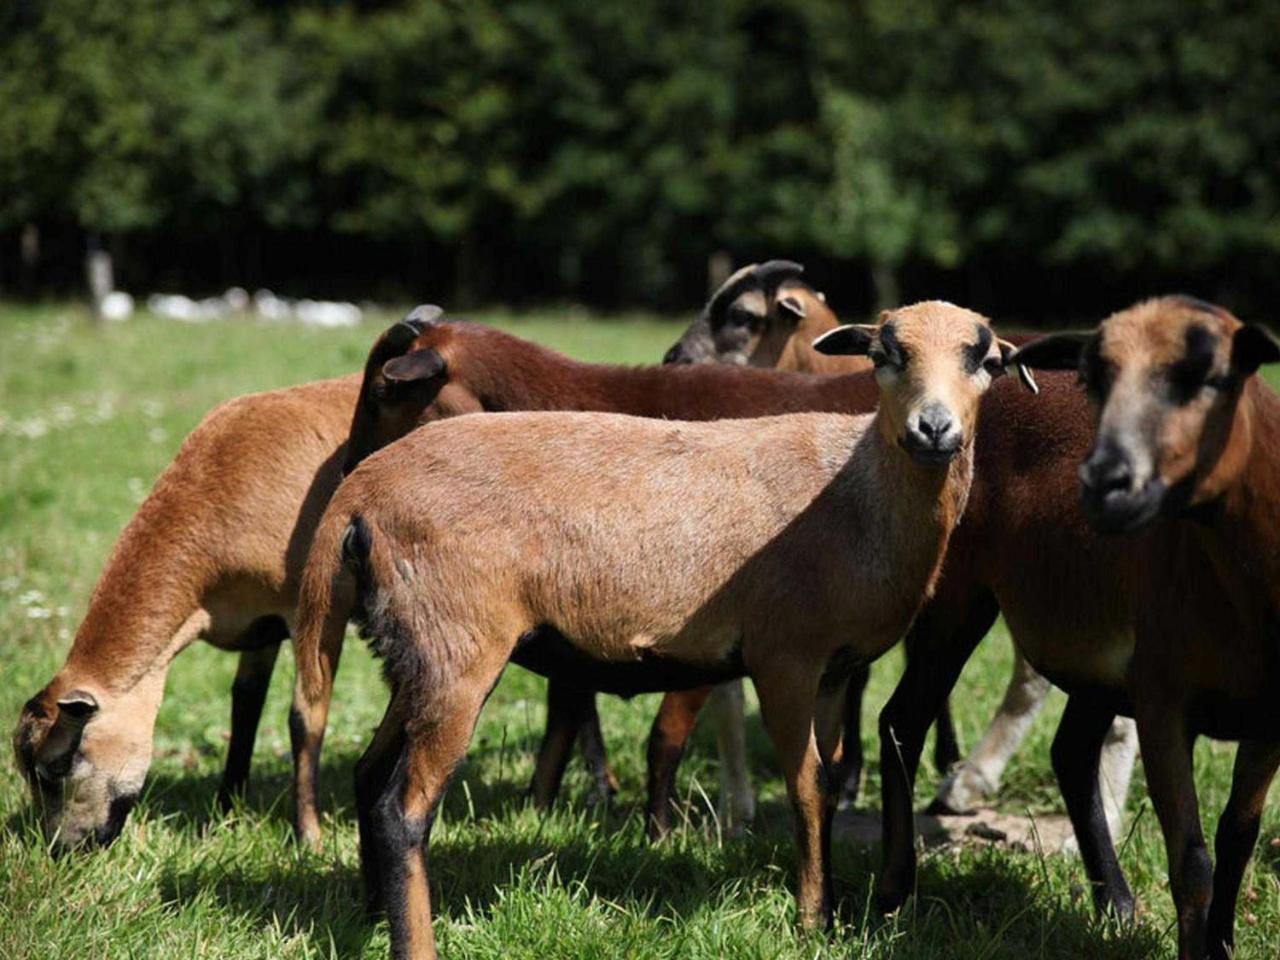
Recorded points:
982,902
303,899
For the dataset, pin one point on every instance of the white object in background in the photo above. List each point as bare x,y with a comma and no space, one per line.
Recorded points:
327,313
271,307
116,305
236,299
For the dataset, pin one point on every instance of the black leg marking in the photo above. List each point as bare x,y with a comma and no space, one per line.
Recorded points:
568,706
591,743
939,654
1077,749
1255,768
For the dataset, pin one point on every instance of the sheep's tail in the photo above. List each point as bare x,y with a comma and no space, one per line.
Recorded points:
338,561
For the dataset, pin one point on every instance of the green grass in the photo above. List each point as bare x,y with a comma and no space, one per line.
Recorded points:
89,418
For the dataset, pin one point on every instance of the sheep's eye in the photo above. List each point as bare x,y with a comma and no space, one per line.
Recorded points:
740,317
884,359
994,366
1194,372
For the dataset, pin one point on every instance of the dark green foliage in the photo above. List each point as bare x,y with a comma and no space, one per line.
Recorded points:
488,150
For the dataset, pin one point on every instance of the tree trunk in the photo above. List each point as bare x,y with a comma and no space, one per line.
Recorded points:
719,269
29,246
884,283
98,273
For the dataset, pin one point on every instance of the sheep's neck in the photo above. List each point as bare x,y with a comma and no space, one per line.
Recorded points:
927,503
144,608
1240,531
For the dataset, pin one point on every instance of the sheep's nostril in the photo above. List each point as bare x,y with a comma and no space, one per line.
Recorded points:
934,425
1107,472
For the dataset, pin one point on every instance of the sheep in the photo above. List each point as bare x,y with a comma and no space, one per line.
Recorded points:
423,369
765,315
214,552
782,338
598,544
1183,470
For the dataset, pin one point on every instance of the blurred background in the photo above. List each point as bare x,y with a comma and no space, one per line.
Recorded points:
1042,160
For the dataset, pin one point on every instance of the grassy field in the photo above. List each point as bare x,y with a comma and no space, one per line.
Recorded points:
89,418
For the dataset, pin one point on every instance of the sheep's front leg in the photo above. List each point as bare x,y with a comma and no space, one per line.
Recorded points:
668,738
1075,753
943,636
1256,764
248,694
788,697
1167,757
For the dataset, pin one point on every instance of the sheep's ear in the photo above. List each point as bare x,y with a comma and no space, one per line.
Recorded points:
1251,347
791,306
1058,351
424,364
74,711
1007,350
851,340
77,707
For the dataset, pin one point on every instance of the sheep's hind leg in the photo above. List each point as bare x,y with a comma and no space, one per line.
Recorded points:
591,743
422,740
668,738
977,777
849,758
260,647
307,720
737,806
571,714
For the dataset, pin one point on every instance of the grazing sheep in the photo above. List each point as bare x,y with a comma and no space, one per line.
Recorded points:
1186,461
600,545
214,552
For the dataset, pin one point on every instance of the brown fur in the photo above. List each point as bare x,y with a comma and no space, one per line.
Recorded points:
218,544
469,535
1207,652
1025,543
488,370
1064,591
